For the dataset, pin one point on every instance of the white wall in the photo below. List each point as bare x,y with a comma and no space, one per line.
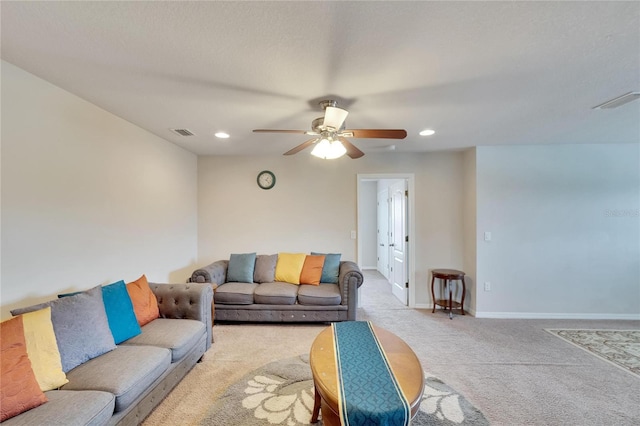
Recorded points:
87,198
313,207
368,228
565,231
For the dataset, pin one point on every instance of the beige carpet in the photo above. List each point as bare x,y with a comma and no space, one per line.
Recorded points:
513,371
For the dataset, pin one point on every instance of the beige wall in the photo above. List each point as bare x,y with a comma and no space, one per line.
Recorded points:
87,198
471,238
313,207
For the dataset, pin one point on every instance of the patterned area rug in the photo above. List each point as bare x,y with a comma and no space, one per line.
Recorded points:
281,393
619,347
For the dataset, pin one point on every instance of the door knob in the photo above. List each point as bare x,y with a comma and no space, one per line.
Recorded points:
381,245
392,245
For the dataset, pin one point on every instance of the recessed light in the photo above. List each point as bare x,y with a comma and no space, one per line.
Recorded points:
427,132
222,135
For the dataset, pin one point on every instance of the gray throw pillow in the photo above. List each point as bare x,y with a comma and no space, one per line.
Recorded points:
265,271
241,268
80,325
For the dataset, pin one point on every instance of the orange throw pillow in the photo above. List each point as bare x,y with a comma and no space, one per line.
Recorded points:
145,304
312,270
19,390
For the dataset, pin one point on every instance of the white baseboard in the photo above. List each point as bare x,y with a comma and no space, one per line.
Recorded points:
536,315
423,306
369,267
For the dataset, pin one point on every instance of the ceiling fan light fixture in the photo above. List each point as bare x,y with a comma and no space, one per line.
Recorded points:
334,117
427,132
328,149
221,135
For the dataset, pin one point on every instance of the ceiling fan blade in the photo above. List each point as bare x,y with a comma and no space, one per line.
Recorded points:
375,133
334,117
301,147
352,150
278,131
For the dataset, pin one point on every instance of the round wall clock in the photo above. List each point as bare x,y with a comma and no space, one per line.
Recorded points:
266,179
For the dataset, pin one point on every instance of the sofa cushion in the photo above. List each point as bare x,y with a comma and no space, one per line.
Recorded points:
265,271
289,266
235,293
119,308
323,295
177,335
42,349
126,372
331,268
81,326
19,389
145,304
241,267
312,270
276,293
69,408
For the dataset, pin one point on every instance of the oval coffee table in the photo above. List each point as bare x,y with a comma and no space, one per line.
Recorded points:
403,361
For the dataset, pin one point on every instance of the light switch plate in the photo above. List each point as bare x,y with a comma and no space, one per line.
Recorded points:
487,236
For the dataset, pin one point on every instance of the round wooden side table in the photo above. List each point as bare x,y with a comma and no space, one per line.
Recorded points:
447,276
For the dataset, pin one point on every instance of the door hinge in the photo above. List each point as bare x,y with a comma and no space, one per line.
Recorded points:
406,193
406,285
406,239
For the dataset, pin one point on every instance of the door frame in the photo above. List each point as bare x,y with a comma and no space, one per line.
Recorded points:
411,217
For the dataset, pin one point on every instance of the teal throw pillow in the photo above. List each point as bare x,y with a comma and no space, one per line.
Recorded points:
241,268
331,268
120,313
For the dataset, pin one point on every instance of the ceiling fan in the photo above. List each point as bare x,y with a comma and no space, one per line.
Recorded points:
330,135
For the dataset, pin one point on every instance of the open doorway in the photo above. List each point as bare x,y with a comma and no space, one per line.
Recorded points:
386,230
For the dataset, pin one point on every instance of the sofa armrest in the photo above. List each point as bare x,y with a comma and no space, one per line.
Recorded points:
350,279
213,273
185,301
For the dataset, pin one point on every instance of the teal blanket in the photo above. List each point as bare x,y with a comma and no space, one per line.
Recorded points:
369,391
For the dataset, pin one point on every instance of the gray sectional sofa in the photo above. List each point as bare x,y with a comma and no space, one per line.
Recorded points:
281,301
122,386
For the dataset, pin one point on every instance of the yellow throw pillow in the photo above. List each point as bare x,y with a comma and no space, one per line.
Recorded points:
289,266
42,349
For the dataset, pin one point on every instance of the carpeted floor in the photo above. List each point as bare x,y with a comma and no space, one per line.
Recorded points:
513,371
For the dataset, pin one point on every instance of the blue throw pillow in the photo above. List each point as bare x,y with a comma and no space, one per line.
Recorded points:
331,268
120,313
241,268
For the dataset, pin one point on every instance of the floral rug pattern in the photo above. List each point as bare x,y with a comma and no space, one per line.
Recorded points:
281,393
618,347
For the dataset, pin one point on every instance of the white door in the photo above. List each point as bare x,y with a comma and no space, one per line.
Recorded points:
383,233
398,241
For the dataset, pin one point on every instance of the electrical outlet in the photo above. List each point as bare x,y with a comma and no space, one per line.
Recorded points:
487,286
353,235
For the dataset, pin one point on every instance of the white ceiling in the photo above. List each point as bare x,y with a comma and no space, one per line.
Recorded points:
479,73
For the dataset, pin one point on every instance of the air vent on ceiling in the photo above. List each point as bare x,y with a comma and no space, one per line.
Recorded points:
182,132
619,101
